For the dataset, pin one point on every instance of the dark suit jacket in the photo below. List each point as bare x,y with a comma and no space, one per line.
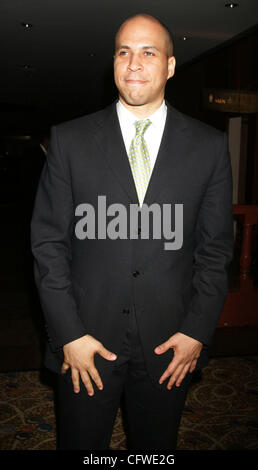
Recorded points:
87,286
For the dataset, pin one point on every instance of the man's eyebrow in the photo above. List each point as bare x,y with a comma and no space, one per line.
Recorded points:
143,47
122,47
150,47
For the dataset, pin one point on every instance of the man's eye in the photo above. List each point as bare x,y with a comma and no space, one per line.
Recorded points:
123,52
149,53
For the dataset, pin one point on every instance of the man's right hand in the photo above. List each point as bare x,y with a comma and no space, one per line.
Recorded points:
79,355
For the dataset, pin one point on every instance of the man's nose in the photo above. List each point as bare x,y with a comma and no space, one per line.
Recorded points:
134,63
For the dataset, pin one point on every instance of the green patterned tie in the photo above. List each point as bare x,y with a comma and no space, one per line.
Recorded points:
140,160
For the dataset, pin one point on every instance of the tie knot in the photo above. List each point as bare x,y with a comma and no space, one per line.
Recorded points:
141,126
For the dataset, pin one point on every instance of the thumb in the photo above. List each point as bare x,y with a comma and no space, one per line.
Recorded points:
163,347
107,354
64,367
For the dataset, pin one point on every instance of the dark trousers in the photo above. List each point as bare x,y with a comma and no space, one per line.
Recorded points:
151,417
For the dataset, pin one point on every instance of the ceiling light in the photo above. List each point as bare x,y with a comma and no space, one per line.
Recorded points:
27,25
26,67
231,5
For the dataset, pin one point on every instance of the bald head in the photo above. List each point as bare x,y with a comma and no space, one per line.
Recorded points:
167,35
142,64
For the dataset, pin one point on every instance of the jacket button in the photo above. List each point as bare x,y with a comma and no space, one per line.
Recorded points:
136,273
126,311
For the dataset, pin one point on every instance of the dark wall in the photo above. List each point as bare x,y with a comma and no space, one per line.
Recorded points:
233,66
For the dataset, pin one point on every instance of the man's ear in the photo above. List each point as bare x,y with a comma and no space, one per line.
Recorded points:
171,66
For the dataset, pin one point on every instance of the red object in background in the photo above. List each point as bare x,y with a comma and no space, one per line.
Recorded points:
241,306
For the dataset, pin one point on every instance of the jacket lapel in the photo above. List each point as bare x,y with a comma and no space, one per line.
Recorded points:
169,156
110,142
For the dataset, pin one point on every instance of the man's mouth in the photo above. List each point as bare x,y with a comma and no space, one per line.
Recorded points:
133,81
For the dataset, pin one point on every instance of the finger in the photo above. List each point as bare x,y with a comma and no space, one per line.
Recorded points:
96,377
75,380
193,365
182,375
169,371
87,382
175,376
165,375
106,354
64,367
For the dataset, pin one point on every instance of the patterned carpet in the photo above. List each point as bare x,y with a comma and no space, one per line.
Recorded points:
221,411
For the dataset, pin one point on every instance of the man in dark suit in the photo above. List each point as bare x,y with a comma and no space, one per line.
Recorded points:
125,316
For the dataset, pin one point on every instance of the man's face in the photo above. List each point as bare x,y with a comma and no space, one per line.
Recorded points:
141,64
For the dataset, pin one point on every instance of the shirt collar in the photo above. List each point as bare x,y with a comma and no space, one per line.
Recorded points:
128,117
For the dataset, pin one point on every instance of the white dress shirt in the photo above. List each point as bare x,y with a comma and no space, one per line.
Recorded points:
152,135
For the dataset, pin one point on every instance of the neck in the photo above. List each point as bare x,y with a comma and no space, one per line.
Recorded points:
142,111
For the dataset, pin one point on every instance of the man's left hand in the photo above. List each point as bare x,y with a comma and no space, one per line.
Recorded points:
186,353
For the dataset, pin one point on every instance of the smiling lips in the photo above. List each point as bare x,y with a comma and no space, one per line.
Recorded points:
131,81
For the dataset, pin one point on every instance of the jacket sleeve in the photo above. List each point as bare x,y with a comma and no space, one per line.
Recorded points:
214,243
51,233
